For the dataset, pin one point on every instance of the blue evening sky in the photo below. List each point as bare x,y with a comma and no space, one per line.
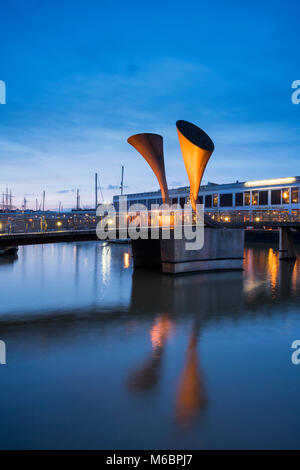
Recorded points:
83,75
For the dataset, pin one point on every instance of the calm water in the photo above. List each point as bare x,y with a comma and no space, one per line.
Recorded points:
100,356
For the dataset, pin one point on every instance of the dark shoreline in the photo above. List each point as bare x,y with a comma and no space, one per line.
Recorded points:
267,236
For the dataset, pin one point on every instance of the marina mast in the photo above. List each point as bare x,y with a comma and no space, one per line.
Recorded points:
122,180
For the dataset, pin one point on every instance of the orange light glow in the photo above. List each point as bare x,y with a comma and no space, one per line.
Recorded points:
273,268
160,331
126,260
295,276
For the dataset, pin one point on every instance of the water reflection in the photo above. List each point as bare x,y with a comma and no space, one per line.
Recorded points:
100,276
190,398
201,294
146,377
8,259
160,332
189,392
105,263
273,264
268,280
126,260
158,351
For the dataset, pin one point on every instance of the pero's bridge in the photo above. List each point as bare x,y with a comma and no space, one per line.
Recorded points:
64,229
172,219
223,241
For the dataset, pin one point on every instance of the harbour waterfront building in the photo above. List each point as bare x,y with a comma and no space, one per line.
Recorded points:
277,198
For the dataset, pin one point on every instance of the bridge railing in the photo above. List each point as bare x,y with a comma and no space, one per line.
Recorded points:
255,217
10,225
145,219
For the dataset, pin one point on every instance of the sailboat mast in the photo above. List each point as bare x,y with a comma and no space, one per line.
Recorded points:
44,196
122,180
96,190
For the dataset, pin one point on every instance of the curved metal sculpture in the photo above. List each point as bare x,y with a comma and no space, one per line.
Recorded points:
196,148
150,146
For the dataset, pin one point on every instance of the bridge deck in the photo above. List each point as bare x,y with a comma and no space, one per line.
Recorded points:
33,238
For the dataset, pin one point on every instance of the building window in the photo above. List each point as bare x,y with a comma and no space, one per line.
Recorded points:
225,200
254,198
238,199
263,198
285,193
275,196
200,200
215,200
295,195
247,198
174,200
208,201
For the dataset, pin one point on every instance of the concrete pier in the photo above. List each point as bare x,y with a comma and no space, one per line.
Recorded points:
223,249
146,253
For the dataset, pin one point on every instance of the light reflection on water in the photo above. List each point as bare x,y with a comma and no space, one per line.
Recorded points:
101,356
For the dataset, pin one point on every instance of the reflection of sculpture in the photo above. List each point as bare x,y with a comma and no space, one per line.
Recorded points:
190,396
150,147
190,399
196,147
148,375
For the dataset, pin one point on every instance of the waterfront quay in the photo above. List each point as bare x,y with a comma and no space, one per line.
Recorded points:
26,222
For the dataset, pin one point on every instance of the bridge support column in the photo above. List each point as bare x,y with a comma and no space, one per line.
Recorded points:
286,244
223,249
146,253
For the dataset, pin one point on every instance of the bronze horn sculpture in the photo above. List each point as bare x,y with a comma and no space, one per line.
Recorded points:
150,146
196,148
